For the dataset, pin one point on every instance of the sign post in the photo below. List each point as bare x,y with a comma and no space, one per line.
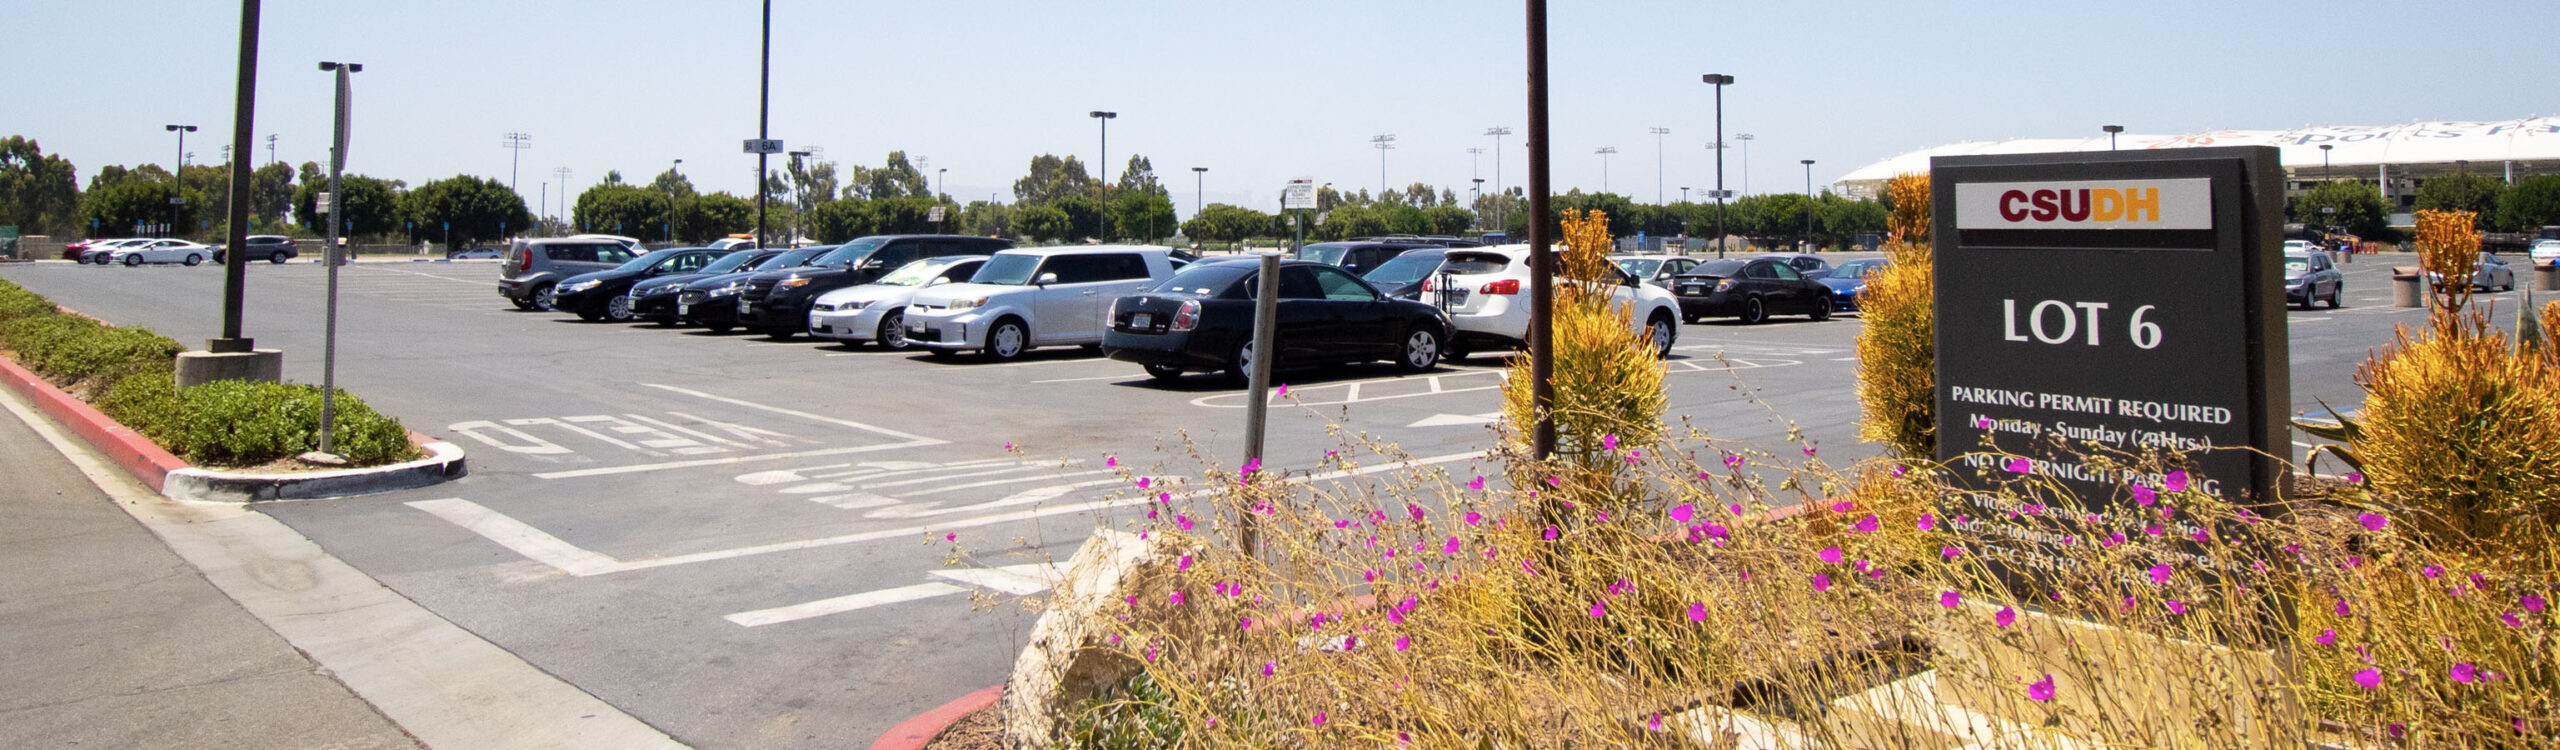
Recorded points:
2108,303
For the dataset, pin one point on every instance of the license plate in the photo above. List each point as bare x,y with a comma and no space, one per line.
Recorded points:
1693,290
1457,296
916,330
745,307
1142,320
683,309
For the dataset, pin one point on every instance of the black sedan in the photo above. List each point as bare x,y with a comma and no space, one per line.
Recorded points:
655,299
1202,319
1751,289
712,302
605,295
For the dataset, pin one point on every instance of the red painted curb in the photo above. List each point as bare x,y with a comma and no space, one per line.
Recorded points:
145,460
912,734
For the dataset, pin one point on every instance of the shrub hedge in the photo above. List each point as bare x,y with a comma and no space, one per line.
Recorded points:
131,376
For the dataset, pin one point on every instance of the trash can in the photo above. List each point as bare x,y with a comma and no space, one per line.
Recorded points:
2406,288
2546,277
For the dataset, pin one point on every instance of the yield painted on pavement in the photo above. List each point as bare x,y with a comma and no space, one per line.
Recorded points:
632,441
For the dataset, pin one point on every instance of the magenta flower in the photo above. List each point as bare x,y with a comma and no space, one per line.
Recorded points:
1656,724
1697,611
2511,620
1142,483
1735,509
2432,571
2465,673
1950,599
2005,617
2144,497
951,537
1245,623
1183,564
1831,555
1808,450
2355,477
1451,548
1403,643
1474,518
2160,574
1951,552
1283,390
2201,536
1899,470
2372,521
2020,466
1682,512
2041,690
1982,423
1526,567
1369,576
2532,603
1867,525
1008,445
1269,667
1182,521
1551,532
1110,461
2327,637
2177,607
1733,460
1477,485
1175,599
2342,610
1928,522
2176,481
1251,465
1555,481
2370,678
1318,719
1609,441
1821,582
1599,609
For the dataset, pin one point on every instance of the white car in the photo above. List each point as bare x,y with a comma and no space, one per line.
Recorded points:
2545,252
1486,298
100,252
877,311
1049,296
162,251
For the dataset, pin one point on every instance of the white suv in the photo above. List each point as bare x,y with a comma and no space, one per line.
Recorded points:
1483,288
1050,296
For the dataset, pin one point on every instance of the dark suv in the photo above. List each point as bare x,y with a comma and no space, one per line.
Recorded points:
1359,257
274,248
533,267
776,303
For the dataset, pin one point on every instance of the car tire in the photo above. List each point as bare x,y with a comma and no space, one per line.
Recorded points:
277,258
194,259
720,327
1662,332
1753,311
1163,373
1453,352
1419,350
133,260
893,332
1007,340
1240,364
590,314
525,304
543,299
1821,309
2337,296
617,308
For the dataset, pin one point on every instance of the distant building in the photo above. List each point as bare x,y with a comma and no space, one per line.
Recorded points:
2397,157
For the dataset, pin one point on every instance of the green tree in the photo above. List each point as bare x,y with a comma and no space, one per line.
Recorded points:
897,178
1042,223
2530,205
478,209
843,219
1141,214
2361,211
213,182
675,186
123,205
1406,219
1450,218
370,207
1139,176
1220,222
1084,216
40,194
1050,178
987,219
1347,221
115,174
703,218
2462,191
1776,220
616,208
1621,210
1844,220
272,191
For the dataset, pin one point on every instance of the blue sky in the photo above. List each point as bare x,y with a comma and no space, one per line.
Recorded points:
1256,92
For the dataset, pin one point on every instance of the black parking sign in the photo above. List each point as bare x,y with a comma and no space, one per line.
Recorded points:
2110,302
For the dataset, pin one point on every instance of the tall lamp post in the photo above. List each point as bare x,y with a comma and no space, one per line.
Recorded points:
1604,152
1497,132
2112,130
516,144
1102,172
1199,190
1745,138
1808,203
1658,133
941,179
1383,143
1720,80
563,215
235,267
177,194
2324,161
332,255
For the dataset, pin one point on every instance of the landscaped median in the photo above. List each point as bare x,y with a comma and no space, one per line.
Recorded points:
222,441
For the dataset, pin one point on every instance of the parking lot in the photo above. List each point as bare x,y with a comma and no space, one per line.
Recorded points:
741,541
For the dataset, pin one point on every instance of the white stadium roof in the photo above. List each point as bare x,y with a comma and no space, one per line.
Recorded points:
2531,142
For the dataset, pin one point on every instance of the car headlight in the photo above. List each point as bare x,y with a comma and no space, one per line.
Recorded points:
854,305
792,283
731,290
1857,290
967,304
578,286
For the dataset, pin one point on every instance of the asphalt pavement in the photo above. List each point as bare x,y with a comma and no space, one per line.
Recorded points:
741,541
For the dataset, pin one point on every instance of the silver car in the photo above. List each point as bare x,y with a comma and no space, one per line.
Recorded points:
2493,275
2310,277
877,311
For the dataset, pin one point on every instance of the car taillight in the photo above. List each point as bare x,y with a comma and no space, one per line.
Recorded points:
1724,285
1428,286
1189,316
1505,286
519,259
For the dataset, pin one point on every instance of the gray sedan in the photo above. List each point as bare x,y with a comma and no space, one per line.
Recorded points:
2310,277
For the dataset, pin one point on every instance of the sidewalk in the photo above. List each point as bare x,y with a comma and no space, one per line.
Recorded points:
111,640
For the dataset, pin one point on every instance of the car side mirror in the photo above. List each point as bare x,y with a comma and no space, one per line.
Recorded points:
1046,279
871,265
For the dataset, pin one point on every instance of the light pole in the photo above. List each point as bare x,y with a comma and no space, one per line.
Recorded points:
331,256
177,192
2324,161
563,215
1808,203
1383,143
1604,152
1479,193
1497,132
1657,132
1745,138
941,179
1102,173
1199,190
235,266
677,168
1684,194
2112,130
1720,80
516,144
764,119
271,148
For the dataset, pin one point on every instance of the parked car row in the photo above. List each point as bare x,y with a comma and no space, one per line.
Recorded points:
139,250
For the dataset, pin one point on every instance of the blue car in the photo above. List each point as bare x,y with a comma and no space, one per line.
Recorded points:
1848,279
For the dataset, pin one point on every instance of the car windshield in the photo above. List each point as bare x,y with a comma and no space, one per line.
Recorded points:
791,259
1009,269
1641,268
1405,269
850,254
918,272
1474,263
1723,269
1204,280
1330,255
730,262
1857,269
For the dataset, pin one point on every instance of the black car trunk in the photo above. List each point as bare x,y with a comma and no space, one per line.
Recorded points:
1145,313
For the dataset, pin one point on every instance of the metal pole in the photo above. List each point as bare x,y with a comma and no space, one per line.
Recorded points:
334,256
1658,132
764,120
1266,321
1720,79
235,267
1102,176
1542,388
177,186
1808,205
1199,190
1497,132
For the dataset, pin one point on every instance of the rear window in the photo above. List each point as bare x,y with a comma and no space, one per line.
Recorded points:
1723,269
1464,263
1405,269
1204,280
1328,254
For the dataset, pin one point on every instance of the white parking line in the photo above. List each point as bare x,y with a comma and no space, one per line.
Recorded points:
1080,380
842,604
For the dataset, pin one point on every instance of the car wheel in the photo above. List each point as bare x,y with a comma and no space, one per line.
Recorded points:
1008,340
617,308
1661,332
1753,312
720,327
1163,373
1240,364
1420,351
781,334
277,258
522,304
1821,309
2336,296
590,314
133,260
543,298
893,332
938,353
194,259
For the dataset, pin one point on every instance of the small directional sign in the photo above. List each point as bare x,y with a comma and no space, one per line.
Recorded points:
764,145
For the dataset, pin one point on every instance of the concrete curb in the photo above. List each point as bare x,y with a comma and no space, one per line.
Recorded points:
176,479
912,734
